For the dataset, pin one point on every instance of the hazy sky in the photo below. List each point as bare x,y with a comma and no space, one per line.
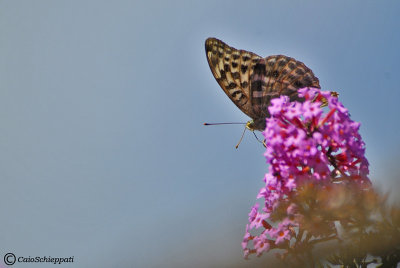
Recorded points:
103,155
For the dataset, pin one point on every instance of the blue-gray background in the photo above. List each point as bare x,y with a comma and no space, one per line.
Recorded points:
103,155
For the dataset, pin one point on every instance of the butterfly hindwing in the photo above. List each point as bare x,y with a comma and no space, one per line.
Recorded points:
278,75
251,81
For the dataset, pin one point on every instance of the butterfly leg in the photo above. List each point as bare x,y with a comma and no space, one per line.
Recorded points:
262,142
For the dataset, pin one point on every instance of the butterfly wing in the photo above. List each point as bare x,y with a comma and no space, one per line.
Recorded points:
251,81
274,76
231,69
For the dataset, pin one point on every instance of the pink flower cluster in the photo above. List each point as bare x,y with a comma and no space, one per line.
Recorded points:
304,144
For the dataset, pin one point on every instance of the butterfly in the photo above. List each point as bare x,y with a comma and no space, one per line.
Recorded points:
251,81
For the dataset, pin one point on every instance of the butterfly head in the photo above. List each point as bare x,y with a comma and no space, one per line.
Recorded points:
256,124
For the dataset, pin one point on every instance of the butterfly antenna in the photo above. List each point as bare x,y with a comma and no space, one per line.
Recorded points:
262,142
214,124
241,138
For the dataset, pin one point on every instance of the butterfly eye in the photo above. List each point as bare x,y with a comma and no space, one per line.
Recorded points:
250,125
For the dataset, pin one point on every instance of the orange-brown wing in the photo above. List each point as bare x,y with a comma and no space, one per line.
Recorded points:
232,70
251,81
278,75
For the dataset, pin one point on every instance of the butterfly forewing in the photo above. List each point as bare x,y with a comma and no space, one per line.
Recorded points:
251,81
231,69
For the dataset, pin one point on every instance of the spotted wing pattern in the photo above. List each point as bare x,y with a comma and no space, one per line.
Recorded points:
251,81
